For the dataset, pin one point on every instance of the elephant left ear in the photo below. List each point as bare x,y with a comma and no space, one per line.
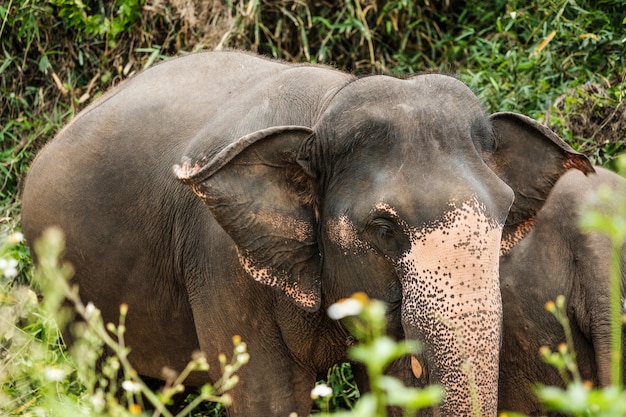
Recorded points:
530,158
265,201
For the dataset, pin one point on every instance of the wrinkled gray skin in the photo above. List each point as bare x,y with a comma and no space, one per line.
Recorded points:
312,185
554,259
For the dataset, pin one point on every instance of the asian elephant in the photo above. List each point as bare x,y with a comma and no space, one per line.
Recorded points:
222,193
557,258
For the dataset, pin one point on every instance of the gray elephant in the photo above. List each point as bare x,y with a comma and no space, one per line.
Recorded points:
312,184
554,259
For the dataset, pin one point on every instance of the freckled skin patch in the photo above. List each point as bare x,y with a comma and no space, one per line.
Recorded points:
451,296
513,239
342,233
289,227
384,207
280,280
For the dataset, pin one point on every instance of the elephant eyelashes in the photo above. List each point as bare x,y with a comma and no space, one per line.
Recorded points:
387,237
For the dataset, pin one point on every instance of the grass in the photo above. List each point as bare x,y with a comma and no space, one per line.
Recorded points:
561,62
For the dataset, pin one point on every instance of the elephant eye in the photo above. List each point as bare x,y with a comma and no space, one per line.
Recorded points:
385,232
387,237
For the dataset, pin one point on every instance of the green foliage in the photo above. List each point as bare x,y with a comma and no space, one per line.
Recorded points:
534,48
54,58
345,393
536,56
590,117
564,359
111,20
580,401
578,398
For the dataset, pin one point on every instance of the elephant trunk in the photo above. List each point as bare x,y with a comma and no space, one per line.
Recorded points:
452,304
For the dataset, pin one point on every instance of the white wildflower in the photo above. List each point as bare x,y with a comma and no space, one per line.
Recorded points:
241,348
15,238
89,310
53,373
8,267
321,390
345,308
131,386
243,358
97,401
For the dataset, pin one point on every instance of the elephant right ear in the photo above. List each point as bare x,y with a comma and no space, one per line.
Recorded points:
264,200
530,158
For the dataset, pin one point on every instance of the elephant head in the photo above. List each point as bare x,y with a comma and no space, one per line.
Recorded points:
403,189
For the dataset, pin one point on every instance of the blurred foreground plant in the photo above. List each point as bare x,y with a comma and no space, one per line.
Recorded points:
578,398
39,376
365,319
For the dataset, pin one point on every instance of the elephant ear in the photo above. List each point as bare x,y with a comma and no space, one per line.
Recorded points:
530,158
264,200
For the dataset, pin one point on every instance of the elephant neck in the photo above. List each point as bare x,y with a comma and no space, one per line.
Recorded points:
316,341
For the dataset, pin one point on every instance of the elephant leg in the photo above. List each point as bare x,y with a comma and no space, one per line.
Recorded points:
273,382
271,385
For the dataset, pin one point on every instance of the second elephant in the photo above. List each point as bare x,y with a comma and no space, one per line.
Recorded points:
554,259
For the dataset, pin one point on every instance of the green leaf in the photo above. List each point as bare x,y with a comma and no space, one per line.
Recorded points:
408,397
44,63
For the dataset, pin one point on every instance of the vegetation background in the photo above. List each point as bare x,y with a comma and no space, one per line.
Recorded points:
561,62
